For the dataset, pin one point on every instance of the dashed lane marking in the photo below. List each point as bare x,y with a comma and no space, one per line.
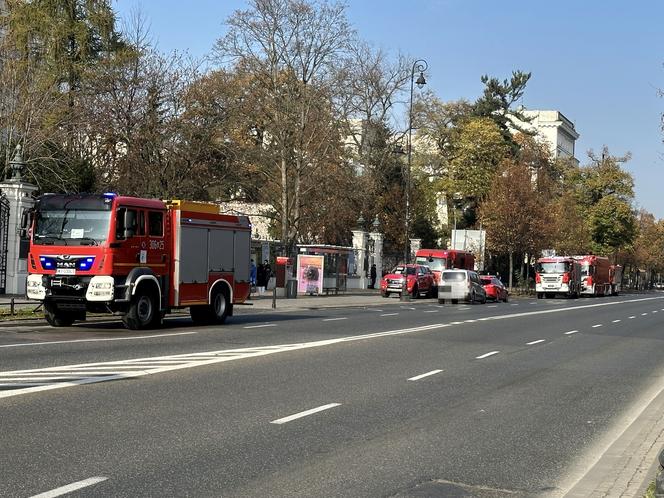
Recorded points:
535,342
260,326
334,319
70,488
572,332
486,355
305,413
421,376
616,321
630,317
431,311
389,314
644,314
597,325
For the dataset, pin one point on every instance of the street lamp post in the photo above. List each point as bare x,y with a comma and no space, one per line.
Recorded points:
420,66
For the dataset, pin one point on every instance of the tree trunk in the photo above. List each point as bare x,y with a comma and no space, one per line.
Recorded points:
285,228
511,269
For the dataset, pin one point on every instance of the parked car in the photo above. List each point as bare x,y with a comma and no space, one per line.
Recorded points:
462,285
420,281
494,288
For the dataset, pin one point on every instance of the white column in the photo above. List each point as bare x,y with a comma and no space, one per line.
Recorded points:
360,249
377,254
19,195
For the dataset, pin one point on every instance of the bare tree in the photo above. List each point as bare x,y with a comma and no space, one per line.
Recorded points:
290,51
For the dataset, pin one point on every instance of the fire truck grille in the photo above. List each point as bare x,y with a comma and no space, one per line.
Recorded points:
550,279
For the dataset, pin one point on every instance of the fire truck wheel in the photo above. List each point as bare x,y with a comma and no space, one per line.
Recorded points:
143,312
57,318
540,295
441,301
219,307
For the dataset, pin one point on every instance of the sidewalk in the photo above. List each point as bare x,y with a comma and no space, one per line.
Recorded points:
355,297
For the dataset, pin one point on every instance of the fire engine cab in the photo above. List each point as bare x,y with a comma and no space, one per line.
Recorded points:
137,258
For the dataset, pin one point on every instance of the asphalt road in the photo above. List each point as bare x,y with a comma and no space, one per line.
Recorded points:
401,400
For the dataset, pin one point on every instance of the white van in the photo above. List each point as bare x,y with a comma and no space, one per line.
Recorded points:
465,285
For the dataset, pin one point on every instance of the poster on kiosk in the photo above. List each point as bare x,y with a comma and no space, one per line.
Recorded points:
309,274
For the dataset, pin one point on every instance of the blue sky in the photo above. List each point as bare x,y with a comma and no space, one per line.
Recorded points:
600,62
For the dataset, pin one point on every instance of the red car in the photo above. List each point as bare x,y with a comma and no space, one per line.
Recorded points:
494,288
420,281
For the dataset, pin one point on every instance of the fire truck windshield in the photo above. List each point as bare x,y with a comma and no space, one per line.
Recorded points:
436,264
558,267
72,219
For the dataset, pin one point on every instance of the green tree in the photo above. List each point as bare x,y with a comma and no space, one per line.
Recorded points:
606,192
475,153
53,47
497,103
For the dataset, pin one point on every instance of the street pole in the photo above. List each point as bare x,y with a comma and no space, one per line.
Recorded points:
421,66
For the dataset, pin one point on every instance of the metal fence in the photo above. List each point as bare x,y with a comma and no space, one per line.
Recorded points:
4,235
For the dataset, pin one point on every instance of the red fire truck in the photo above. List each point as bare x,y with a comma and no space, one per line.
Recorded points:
557,275
595,280
137,258
443,259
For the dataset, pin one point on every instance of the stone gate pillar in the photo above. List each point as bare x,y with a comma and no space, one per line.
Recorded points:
19,194
360,250
376,256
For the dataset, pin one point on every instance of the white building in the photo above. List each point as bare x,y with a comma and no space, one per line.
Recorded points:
554,129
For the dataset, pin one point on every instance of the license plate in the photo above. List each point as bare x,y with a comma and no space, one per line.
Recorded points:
65,271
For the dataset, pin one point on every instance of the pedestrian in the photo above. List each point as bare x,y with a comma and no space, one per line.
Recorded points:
260,279
372,274
268,273
252,276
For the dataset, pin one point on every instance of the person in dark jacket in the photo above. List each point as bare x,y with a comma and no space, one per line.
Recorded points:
372,274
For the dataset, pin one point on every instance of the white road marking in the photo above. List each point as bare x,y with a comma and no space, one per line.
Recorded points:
260,326
94,340
463,309
421,376
571,332
470,321
90,373
631,317
334,319
535,342
69,488
389,314
305,413
486,355
407,308
616,321
431,311
644,314
514,305
492,306
655,311
597,325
